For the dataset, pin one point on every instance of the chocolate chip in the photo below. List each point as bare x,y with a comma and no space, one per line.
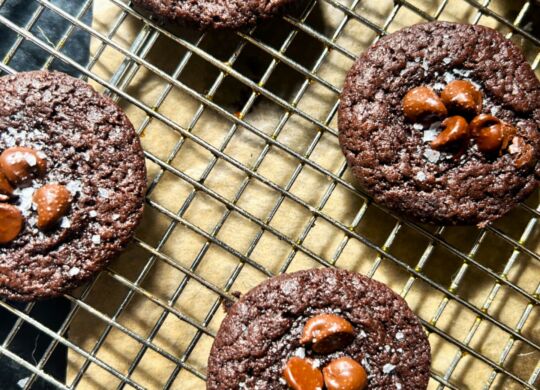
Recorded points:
482,121
422,104
491,134
456,132
524,153
489,140
300,374
52,201
20,165
327,333
345,374
508,132
11,222
6,191
461,97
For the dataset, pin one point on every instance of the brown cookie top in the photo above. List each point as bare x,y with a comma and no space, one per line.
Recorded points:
203,14
82,208
270,328
393,156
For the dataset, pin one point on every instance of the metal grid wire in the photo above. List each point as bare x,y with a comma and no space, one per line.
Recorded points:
136,56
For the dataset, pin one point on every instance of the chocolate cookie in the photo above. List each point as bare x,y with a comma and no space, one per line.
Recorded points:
315,326
205,14
439,121
72,183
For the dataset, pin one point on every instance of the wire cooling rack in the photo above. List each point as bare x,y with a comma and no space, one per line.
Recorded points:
489,339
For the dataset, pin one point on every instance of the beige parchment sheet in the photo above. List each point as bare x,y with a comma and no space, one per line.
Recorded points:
185,247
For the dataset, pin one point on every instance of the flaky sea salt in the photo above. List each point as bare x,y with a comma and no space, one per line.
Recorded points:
115,217
448,77
103,192
432,155
74,271
418,126
22,383
96,239
25,199
365,363
31,221
400,336
462,72
514,146
438,86
92,214
74,186
446,60
429,135
388,368
421,176
398,386
65,223
300,352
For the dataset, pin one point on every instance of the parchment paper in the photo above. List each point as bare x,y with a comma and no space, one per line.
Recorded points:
186,247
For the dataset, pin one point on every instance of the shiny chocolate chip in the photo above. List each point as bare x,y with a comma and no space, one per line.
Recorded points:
345,374
455,131
20,165
11,223
327,333
487,132
481,122
300,374
422,104
462,97
52,201
6,191
489,140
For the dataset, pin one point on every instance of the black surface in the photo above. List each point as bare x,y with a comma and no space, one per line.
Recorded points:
49,28
29,343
